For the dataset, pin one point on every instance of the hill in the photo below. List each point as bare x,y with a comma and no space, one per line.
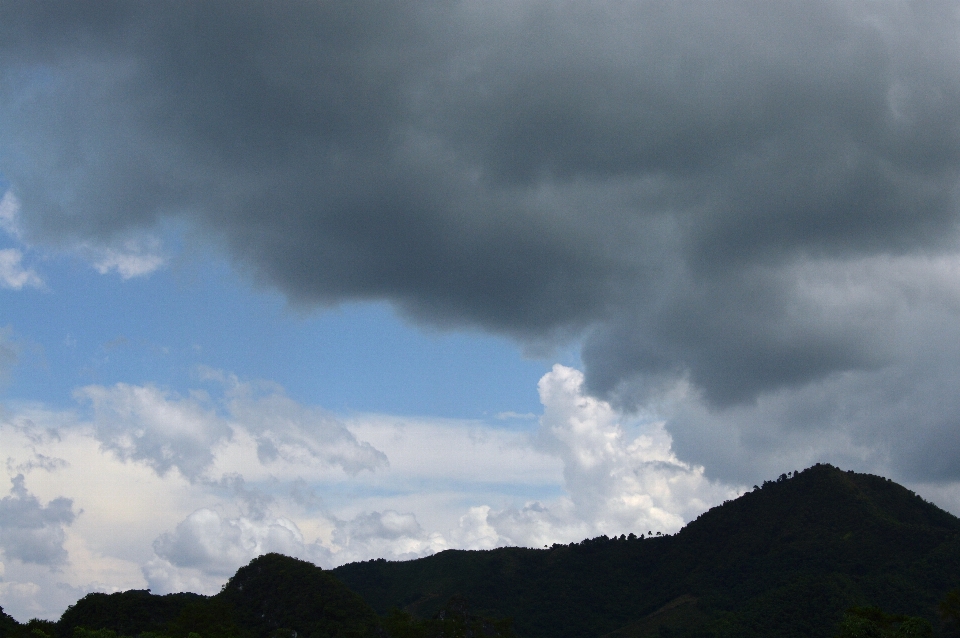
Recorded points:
786,559
275,593
273,596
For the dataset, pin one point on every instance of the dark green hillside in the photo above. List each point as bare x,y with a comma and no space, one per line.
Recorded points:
786,559
274,596
818,554
578,590
8,624
822,540
277,592
127,613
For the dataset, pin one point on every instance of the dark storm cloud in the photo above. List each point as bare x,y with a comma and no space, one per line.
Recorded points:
654,177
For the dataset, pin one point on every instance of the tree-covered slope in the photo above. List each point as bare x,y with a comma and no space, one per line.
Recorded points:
276,592
127,613
786,559
273,596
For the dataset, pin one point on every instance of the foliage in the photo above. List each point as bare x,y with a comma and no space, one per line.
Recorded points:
453,621
950,613
125,613
273,597
276,592
786,559
8,624
210,618
870,622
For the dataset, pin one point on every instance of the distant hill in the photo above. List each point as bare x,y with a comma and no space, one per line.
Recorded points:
275,592
783,560
127,613
786,559
274,596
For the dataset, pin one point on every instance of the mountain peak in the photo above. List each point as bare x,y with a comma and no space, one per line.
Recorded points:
276,592
786,559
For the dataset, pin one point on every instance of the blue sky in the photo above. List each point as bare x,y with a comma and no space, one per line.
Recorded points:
82,327
374,279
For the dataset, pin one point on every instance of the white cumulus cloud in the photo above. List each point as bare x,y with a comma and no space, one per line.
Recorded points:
129,259
12,273
288,431
388,534
9,211
144,423
619,476
206,548
217,546
165,431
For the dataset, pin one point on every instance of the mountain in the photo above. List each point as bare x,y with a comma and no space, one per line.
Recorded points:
127,613
276,592
274,596
8,623
818,553
786,559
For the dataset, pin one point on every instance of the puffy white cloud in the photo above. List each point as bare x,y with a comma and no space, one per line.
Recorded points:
206,548
121,506
615,478
533,525
288,431
619,476
216,546
424,450
12,273
388,534
144,423
130,258
133,257
164,430
9,212
31,532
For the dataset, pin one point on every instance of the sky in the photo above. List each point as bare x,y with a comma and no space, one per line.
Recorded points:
378,279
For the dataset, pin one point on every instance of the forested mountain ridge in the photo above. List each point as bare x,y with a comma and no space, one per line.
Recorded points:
786,559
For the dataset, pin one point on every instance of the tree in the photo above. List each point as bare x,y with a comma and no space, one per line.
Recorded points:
870,622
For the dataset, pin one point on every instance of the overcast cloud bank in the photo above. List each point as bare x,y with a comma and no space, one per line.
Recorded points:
743,214
752,200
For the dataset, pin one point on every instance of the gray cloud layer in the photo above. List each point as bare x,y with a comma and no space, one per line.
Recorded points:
680,184
31,532
8,354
